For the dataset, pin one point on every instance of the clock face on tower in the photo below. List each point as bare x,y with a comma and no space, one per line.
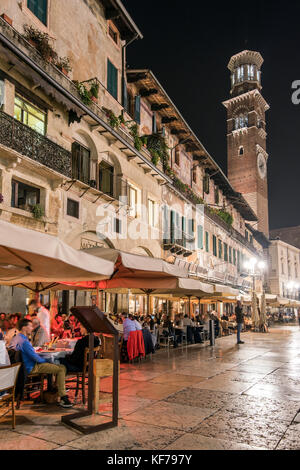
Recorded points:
261,165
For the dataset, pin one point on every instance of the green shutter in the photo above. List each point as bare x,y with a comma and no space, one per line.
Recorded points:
200,237
154,124
225,252
172,226
220,249
166,223
234,256
124,95
112,79
230,254
214,245
137,109
207,242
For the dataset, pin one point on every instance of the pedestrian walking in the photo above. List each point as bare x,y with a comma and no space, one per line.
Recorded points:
239,315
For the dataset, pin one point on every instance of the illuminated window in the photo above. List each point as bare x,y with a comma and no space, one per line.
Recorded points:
30,115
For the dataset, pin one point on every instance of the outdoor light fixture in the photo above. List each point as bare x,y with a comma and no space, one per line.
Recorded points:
293,285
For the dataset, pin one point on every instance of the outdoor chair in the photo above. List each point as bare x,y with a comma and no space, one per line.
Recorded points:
32,382
82,375
8,381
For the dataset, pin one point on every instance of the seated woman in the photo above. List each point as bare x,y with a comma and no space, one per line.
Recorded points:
74,362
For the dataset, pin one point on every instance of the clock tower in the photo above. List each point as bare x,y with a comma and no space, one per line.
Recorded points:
246,134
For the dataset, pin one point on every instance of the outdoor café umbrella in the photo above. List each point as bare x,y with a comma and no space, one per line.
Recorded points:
28,257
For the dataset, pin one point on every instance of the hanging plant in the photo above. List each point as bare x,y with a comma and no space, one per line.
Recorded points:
95,90
84,93
157,146
41,41
37,211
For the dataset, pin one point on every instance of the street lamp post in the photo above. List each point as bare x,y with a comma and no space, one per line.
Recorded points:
255,268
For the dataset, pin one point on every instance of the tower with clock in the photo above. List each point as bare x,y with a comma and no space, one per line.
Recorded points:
246,134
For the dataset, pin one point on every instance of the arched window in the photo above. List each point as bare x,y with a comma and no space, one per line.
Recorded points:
241,121
241,150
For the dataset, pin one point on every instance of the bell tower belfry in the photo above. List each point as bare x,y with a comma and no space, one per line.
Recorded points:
246,134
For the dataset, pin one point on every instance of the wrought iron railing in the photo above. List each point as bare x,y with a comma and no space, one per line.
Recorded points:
28,142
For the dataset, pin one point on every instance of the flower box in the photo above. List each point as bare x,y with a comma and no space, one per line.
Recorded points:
7,19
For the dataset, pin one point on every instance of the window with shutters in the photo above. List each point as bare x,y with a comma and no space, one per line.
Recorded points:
112,79
200,237
230,255
217,195
177,156
206,180
234,256
106,178
214,245
154,124
24,196
194,175
40,9
207,242
225,252
137,109
220,249
152,213
80,163
130,103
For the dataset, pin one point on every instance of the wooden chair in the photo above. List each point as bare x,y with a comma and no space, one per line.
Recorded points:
8,381
82,375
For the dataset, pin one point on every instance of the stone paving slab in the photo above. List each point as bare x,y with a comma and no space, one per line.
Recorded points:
202,398
226,397
257,432
128,436
171,415
198,442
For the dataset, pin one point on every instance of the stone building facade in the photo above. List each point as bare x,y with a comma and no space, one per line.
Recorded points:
284,269
94,152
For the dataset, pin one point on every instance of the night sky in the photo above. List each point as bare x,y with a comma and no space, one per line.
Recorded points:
188,46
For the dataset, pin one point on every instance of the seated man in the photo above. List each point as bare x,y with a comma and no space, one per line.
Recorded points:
39,336
128,326
74,362
35,364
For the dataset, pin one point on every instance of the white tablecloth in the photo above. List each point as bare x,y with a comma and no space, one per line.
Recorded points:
4,359
54,356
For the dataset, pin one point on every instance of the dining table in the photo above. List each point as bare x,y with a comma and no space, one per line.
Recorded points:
53,355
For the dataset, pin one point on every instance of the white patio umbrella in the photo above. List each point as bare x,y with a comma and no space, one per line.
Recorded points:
28,257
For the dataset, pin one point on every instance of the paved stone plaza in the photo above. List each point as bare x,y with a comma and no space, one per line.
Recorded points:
227,397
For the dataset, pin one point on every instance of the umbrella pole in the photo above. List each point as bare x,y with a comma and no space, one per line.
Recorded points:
148,303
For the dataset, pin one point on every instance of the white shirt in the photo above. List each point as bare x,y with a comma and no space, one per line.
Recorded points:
44,317
138,325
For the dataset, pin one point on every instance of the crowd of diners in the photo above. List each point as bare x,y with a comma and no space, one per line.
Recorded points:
36,330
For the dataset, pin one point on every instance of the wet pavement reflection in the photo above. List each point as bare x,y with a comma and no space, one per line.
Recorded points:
226,397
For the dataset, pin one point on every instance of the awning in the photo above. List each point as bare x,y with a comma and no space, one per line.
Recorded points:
28,256
225,291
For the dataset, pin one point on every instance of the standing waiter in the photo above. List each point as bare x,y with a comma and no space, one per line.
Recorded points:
240,320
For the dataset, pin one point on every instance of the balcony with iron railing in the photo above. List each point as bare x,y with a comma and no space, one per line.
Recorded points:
180,243
29,143
26,141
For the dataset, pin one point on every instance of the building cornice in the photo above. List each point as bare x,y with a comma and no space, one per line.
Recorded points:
245,57
244,96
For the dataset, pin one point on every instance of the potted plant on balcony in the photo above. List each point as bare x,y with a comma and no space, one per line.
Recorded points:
7,19
84,93
63,64
41,41
94,90
37,211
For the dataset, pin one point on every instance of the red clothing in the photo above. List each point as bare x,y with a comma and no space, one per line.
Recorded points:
135,345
